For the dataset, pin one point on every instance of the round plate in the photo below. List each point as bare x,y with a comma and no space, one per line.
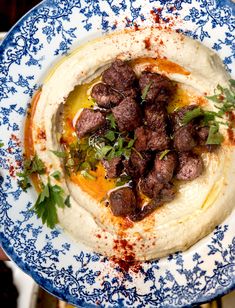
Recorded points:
68,270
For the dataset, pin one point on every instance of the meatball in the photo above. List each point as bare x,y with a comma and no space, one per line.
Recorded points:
113,167
122,202
119,76
105,96
165,167
127,115
168,193
150,185
148,209
89,121
202,134
147,139
155,117
159,88
184,138
190,166
177,116
137,164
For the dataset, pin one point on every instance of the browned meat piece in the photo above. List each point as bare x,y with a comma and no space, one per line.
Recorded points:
202,134
89,121
160,88
184,138
137,164
168,192
130,92
119,76
155,117
177,116
127,115
148,209
105,96
150,185
165,167
113,167
146,140
122,202
190,166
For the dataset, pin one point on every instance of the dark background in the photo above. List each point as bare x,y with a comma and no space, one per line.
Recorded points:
13,10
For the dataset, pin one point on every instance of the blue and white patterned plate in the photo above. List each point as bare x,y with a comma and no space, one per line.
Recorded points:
86,279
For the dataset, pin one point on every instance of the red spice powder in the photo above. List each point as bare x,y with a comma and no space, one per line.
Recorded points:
12,170
147,43
231,136
136,27
42,134
16,139
63,141
231,117
98,235
127,262
156,15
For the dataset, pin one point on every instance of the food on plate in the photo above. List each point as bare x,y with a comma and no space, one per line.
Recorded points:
130,147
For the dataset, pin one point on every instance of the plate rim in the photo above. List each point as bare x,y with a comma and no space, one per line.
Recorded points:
3,240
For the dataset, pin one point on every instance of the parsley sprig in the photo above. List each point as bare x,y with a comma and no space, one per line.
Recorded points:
84,155
224,102
145,91
78,156
50,198
31,166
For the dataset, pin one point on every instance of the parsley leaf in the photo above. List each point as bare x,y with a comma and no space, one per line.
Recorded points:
232,82
214,137
51,197
163,154
111,119
56,175
192,114
122,180
110,135
146,90
224,102
60,154
87,175
31,166
1,144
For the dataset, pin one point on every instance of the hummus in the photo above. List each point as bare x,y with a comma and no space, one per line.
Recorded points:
199,206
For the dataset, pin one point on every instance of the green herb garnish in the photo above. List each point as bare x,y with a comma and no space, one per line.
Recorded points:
110,135
87,175
50,198
163,154
56,175
192,114
1,144
111,119
224,99
60,154
214,137
31,166
146,90
122,180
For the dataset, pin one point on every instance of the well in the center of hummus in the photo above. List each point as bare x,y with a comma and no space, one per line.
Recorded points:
130,137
